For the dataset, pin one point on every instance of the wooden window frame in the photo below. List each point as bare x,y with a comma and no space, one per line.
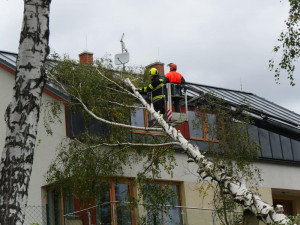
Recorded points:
48,188
112,198
204,125
146,124
204,128
166,182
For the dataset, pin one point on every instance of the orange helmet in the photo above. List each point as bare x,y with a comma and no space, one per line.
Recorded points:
173,67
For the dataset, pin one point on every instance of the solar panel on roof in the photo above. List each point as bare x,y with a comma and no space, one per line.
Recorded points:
255,102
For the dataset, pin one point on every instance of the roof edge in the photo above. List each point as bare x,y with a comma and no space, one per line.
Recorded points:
227,89
9,52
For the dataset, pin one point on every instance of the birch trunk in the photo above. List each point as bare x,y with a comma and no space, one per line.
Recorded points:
22,114
230,185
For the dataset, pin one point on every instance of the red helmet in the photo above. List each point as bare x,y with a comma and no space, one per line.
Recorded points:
173,67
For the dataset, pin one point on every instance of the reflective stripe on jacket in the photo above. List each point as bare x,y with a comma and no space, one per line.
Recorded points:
157,82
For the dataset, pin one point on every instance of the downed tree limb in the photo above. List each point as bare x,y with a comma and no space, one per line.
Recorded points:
90,112
234,187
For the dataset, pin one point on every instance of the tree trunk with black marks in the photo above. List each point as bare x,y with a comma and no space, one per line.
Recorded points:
22,114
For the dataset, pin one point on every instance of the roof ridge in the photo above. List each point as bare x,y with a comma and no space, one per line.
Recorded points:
227,89
274,103
7,52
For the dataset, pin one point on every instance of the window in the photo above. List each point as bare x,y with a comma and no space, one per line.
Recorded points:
138,118
142,118
202,126
170,215
57,205
195,126
274,145
114,209
296,147
77,124
253,135
264,140
210,124
286,148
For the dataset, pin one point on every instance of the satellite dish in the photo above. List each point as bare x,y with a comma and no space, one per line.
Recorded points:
122,58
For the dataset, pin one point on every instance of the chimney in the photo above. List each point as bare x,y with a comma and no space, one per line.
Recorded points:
158,65
86,57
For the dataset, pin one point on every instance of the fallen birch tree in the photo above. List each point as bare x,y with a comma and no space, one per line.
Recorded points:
235,188
207,169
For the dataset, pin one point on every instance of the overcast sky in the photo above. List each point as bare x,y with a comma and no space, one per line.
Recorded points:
224,43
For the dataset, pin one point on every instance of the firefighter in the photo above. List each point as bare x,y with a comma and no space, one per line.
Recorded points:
156,87
174,77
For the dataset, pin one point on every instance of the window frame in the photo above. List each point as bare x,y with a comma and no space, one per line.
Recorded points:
204,127
112,200
176,183
146,124
49,188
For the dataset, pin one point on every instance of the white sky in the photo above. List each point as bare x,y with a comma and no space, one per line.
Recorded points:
218,43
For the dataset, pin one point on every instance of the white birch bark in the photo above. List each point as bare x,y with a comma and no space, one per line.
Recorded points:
234,187
22,114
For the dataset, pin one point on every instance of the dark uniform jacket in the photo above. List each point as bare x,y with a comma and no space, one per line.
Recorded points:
156,86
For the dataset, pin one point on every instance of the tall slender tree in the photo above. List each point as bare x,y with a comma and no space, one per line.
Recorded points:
22,114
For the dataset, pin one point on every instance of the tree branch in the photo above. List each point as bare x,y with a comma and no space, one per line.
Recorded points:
114,123
128,106
131,144
128,92
99,118
236,189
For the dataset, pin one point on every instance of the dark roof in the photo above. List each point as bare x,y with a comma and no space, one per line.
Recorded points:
9,59
256,106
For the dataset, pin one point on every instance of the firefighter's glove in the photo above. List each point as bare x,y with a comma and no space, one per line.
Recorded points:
139,90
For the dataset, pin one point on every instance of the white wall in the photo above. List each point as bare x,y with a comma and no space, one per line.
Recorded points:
280,176
273,175
44,151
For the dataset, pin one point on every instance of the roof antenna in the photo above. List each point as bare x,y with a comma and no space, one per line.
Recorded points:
158,55
86,42
123,44
123,58
241,84
86,48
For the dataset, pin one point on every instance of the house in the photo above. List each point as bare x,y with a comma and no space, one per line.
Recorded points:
276,129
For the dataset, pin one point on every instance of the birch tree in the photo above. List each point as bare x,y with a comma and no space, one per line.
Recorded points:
288,45
22,114
234,187
77,86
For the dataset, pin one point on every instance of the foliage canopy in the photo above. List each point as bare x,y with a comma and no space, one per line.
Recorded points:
289,45
86,161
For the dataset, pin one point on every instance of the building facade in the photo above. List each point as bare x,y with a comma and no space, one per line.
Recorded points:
275,129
